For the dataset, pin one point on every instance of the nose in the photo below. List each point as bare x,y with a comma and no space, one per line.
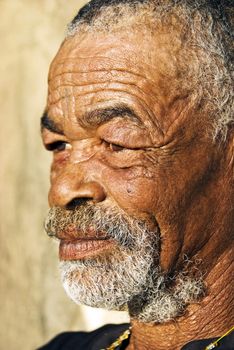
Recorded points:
69,190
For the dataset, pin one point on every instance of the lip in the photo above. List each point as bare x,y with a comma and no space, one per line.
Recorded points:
83,248
71,233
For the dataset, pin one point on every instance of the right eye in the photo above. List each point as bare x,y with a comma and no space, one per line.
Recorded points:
58,146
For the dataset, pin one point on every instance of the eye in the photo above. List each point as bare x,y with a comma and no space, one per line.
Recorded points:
114,147
58,146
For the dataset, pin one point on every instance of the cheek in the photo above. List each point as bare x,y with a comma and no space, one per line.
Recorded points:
133,189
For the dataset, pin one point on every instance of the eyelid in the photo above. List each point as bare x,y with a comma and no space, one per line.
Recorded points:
57,146
114,142
116,148
123,146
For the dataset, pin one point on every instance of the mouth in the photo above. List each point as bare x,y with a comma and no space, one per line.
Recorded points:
84,248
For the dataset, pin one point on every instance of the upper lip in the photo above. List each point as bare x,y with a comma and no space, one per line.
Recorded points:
74,234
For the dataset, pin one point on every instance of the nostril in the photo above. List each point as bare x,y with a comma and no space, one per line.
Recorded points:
68,194
77,202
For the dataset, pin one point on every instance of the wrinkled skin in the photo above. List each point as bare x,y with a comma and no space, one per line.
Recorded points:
163,166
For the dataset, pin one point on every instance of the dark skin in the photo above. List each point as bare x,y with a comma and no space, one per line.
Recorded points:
126,131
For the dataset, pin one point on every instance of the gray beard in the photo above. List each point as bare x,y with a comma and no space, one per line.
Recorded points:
130,277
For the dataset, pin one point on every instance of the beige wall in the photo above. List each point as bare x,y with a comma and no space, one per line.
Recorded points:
33,305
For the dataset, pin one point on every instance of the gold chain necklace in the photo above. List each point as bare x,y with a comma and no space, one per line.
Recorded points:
125,335
119,340
214,344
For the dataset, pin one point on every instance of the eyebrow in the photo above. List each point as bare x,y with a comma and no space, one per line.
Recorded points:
93,118
103,115
49,124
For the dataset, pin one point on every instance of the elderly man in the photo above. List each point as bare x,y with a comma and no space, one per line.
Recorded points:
139,122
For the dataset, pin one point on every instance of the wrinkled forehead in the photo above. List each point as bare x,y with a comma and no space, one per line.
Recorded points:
91,69
91,53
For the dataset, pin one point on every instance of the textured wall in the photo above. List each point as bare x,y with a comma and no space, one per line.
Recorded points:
33,305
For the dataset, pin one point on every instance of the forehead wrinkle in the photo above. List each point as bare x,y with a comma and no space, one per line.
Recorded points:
136,90
97,63
142,103
79,78
130,113
113,71
102,66
82,86
92,81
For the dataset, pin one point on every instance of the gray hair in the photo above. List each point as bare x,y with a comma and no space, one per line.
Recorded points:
207,31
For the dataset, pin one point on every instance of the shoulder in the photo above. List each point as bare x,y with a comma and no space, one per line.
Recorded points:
95,340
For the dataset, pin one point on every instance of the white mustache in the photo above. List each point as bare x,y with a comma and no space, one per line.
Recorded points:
89,220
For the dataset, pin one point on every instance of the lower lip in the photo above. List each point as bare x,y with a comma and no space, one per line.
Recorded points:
80,249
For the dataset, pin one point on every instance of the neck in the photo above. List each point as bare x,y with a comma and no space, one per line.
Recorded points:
211,317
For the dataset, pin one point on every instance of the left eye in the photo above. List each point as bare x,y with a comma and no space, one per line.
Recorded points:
115,148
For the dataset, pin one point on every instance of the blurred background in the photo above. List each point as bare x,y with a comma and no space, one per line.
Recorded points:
34,307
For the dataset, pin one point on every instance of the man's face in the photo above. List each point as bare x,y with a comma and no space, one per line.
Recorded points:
130,163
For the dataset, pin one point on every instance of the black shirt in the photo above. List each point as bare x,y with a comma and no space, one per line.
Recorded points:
103,337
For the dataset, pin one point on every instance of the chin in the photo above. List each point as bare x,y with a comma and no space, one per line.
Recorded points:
132,283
